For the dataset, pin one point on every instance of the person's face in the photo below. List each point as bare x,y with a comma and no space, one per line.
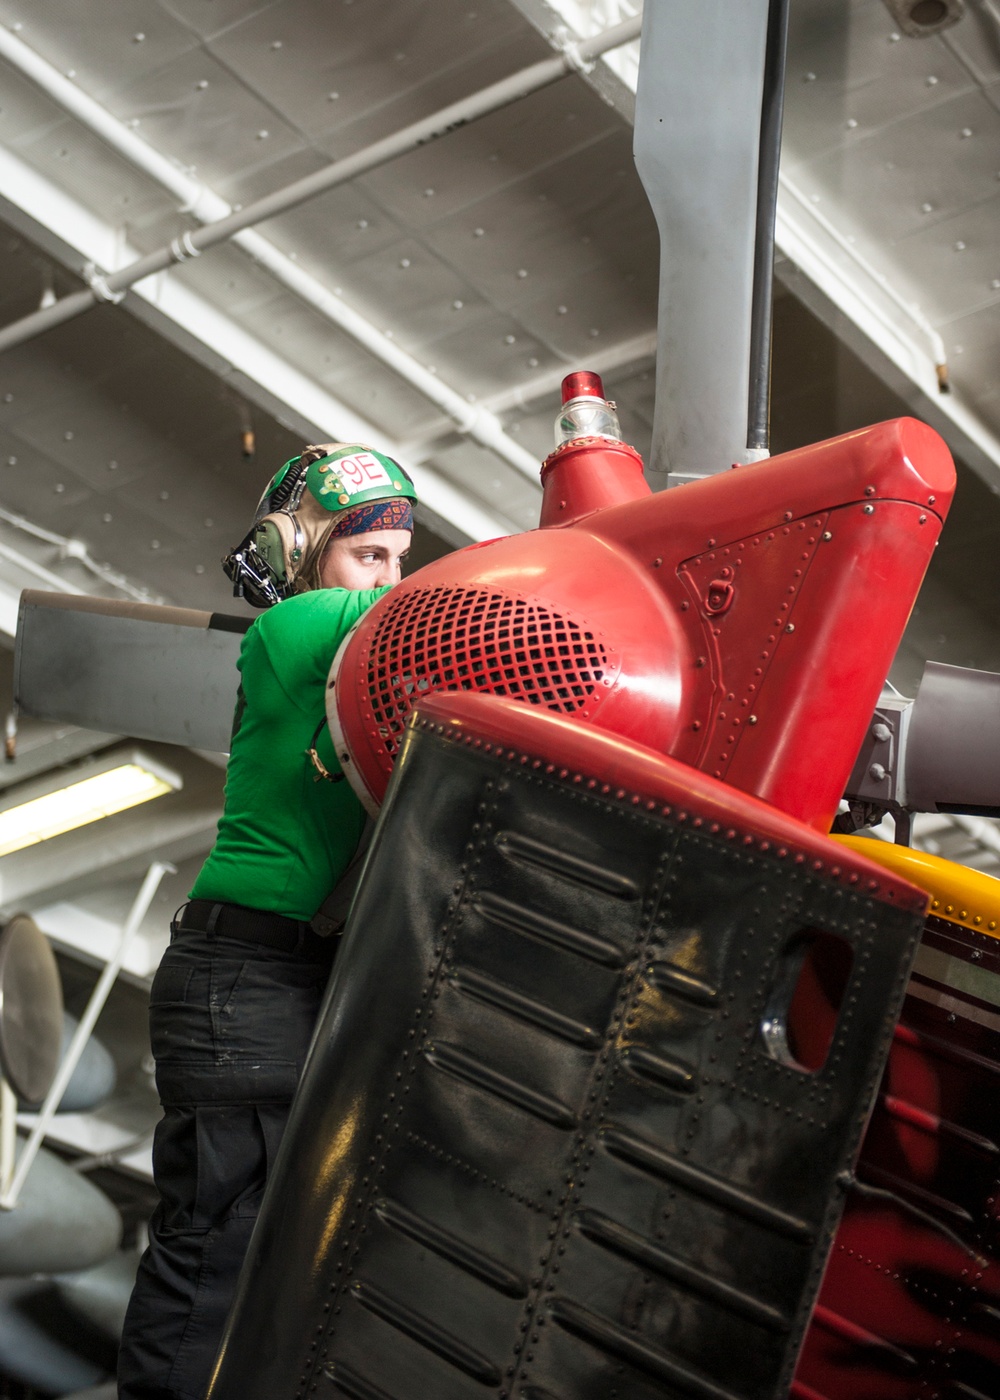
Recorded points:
371,560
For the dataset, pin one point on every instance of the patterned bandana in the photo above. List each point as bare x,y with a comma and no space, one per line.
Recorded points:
395,514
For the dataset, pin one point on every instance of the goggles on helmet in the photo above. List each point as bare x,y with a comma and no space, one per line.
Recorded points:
296,512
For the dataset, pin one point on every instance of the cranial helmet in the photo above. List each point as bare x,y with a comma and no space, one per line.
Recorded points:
298,511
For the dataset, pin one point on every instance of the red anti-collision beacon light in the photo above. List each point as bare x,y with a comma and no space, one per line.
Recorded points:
585,412
591,466
584,383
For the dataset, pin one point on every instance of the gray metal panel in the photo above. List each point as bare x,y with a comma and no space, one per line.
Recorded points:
221,126
82,164
207,20
957,260
953,748
896,141
384,61
860,74
105,48
905,177
123,669
878,776
697,134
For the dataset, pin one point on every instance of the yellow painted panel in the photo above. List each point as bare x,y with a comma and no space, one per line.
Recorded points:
961,895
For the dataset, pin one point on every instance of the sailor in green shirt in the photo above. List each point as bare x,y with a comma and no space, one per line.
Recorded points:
236,997
287,866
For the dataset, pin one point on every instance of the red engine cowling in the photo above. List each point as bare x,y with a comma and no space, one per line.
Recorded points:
743,624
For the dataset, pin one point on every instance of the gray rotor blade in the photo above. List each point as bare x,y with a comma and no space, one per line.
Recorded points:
697,146
953,745
167,674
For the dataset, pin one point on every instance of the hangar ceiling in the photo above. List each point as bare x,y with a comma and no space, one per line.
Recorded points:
135,438
492,259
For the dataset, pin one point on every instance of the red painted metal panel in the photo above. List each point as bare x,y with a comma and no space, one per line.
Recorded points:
588,474
752,616
480,629
825,549
910,1303
849,615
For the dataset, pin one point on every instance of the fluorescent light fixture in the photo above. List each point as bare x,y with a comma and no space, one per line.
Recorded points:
96,789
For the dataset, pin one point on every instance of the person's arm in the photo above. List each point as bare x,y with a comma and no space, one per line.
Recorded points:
302,634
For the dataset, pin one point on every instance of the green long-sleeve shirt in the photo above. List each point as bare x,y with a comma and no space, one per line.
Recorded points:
285,839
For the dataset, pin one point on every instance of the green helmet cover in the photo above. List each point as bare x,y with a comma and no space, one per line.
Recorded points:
352,476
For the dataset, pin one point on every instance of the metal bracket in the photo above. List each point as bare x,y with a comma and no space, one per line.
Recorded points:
878,776
183,249
570,50
98,284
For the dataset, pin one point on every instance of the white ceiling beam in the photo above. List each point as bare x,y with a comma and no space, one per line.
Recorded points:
81,931
88,239
221,223
865,310
638,350
17,571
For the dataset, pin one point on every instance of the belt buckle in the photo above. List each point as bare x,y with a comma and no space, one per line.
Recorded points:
323,926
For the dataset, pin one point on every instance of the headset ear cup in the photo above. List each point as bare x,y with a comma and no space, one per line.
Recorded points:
267,536
251,574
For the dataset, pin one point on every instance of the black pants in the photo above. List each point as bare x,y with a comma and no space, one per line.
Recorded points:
230,1024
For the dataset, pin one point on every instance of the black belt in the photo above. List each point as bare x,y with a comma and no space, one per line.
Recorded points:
253,926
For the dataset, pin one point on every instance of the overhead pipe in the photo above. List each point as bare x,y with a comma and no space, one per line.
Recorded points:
762,286
222,224
68,549
452,512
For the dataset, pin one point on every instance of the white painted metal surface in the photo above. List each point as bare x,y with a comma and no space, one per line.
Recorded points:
889,180
94,242
211,210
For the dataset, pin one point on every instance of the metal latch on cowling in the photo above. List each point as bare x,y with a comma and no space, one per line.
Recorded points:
720,593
